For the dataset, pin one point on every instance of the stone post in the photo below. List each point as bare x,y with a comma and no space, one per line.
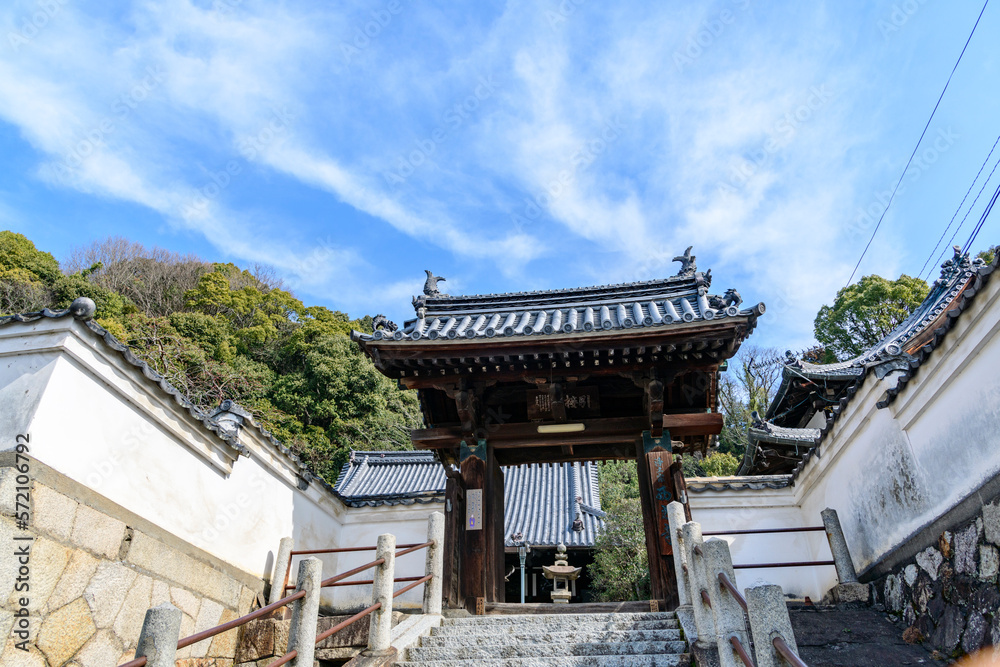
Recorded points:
281,562
676,519
302,631
160,632
838,546
768,614
728,613
381,619
705,624
435,564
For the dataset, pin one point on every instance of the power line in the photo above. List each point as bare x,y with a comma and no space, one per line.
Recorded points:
938,103
971,206
982,220
959,209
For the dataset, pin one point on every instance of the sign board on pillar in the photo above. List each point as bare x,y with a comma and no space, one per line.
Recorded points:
663,494
474,509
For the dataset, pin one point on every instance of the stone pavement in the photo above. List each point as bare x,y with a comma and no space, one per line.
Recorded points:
859,637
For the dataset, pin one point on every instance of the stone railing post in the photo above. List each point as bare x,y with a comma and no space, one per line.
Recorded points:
676,519
380,629
158,640
704,623
728,613
435,563
838,546
768,614
281,562
302,631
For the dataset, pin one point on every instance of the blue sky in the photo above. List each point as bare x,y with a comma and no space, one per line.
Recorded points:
506,146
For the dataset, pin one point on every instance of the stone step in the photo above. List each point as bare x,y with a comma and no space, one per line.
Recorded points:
590,627
545,649
524,637
520,619
674,660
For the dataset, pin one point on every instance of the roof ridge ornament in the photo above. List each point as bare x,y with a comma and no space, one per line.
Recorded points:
431,285
688,265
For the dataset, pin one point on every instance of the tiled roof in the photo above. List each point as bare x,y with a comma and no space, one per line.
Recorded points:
542,501
544,504
738,483
655,303
391,478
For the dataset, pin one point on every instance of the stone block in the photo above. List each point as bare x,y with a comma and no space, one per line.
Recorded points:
975,633
186,601
102,650
991,522
161,593
910,574
966,542
97,532
52,512
950,629
853,593
13,657
65,631
73,582
107,591
8,566
224,645
944,544
989,563
208,617
894,593
247,596
930,560
175,566
128,622
187,629
8,494
48,562
6,623
262,639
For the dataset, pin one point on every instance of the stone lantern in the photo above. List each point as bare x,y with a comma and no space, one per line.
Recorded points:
561,574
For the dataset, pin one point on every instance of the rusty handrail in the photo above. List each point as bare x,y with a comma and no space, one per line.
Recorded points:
359,582
341,550
361,568
805,563
765,531
406,548
787,653
219,629
285,659
704,598
741,651
417,582
343,624
727,584
410,548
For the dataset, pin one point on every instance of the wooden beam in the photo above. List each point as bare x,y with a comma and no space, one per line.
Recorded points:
693,423
596,431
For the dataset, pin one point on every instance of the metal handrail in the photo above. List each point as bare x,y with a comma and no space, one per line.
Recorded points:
728,585
704,598
406,548
741,651
805,563
787,653
765,531
342,550
343,624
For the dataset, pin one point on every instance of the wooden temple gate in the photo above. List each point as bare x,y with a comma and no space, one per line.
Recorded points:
612,372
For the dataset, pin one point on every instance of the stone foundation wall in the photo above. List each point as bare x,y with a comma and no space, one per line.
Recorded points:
947,596
95,569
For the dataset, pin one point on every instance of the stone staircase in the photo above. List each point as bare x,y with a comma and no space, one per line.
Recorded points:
570,640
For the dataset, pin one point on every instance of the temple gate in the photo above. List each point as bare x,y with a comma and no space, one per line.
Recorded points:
612,372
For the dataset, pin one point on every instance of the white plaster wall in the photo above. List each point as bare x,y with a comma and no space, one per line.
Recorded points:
96,419
888,472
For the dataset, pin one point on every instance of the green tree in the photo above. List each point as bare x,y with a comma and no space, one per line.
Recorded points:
749,384
866,312
26,274
720,464
620,570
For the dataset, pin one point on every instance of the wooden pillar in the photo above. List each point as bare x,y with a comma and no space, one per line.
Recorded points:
475,540
656,489
454,518
493,505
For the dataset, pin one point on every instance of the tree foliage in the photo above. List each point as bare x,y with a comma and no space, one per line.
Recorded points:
866,312
216,332
620,570
748,385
